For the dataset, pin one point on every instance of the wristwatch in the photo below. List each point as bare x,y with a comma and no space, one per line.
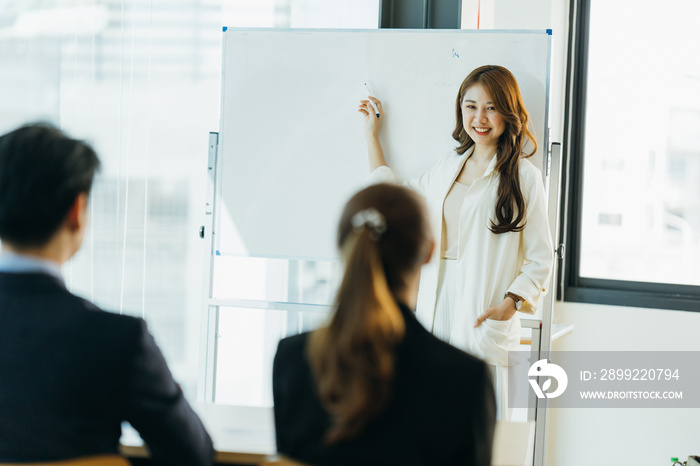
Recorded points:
518,300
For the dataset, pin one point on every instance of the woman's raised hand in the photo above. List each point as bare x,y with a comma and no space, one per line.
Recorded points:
372,124
372,121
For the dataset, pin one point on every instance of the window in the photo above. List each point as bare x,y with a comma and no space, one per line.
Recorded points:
107,71
140,80
634,147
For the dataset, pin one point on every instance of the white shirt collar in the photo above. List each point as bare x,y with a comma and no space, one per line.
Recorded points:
19,263
492,165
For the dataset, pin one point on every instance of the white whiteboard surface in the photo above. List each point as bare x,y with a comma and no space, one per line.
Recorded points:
292,147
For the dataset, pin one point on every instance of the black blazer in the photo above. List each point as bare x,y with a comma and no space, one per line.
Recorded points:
443,410
70,374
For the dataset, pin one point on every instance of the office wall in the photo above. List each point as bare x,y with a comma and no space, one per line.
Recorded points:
578,437
581,437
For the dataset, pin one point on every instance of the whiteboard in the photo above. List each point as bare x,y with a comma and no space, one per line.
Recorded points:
292,148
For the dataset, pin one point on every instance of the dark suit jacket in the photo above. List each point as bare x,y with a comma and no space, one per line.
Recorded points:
443,410
71,373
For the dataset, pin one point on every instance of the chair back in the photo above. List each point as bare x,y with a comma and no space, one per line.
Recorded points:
280,460
101,460
513,443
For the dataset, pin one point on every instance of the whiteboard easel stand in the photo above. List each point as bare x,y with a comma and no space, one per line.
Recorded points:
541,330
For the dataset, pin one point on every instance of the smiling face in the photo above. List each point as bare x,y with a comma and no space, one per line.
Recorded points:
482,122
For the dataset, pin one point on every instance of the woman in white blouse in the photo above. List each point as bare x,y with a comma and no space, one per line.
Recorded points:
487,199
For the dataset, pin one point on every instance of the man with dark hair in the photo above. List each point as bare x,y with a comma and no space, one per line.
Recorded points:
69,372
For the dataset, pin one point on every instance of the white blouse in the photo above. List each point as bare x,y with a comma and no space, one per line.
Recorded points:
490,265
451,220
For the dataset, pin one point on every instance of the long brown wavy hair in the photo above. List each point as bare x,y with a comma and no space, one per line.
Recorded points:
352,358
501,85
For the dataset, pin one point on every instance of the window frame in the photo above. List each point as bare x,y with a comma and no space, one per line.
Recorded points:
571,285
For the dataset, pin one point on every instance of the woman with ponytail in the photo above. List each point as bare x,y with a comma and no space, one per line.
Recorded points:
373,386
495,253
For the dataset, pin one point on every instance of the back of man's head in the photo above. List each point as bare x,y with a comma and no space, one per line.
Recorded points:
42,171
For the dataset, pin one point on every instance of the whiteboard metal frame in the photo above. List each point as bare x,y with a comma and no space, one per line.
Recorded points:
209,318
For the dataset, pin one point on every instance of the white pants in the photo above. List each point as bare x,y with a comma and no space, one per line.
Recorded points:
445,308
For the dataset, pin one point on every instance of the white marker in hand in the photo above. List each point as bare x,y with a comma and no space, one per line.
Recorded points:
374,106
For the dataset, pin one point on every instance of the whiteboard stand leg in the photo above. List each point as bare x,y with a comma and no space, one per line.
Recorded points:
540,431
534,356
545,343
212,352
209,314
